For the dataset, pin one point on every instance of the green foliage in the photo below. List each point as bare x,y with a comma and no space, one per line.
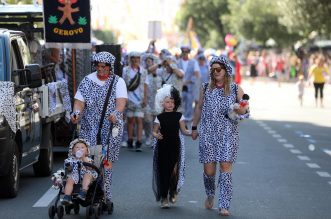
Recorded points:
305,16
106,36
285,21
207,20
259,20
82,21
52,19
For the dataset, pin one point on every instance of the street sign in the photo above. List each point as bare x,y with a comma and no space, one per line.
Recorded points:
154,30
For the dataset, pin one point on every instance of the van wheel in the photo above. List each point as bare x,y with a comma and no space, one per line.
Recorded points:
9,184
44,166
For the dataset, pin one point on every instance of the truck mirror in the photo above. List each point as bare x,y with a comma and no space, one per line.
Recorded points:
48,73
21,78
36,76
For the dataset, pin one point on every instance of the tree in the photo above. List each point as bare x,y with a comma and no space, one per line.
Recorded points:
207,20
304,16
259,20
106,36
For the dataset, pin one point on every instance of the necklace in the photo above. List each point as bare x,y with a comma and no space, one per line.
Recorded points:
103,77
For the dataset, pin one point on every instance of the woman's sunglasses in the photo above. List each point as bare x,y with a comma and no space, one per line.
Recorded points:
218,69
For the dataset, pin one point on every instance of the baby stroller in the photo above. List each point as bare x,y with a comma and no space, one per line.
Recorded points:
94,202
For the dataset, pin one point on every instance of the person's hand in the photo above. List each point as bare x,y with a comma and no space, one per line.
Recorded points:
112,118
144,104
75,117
194,134
159,136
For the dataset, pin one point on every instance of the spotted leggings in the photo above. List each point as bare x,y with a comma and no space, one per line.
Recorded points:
225,185
108,173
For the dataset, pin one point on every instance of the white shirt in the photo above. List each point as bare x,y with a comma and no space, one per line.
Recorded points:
121,91
136,96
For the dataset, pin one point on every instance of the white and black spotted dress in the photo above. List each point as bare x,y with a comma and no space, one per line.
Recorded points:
218,135
94,97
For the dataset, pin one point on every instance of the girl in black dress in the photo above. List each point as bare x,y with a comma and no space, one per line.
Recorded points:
168,165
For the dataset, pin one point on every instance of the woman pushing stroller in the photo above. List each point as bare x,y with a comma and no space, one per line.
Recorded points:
99,104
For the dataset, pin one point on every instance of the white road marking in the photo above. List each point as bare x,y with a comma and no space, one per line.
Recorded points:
327,151
311,147
295,151
301,157
267,128
47,198
281,140
193,202
323,174
330,182
313,165
272,132
288,145
276,136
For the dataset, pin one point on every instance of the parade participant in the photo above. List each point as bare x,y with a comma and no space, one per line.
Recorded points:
153,85
99,103
218,135
78,153
319,72
168,165
191,77
169,73
137,82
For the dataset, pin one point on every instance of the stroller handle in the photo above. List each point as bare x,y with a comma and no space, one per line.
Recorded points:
92,166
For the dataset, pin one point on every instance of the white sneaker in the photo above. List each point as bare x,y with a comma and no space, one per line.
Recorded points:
164,203
124,144
148,142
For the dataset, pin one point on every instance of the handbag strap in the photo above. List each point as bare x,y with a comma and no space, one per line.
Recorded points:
104,111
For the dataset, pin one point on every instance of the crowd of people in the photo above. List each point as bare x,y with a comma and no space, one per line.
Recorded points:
160,98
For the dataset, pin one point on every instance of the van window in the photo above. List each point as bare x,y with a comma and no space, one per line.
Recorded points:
24,50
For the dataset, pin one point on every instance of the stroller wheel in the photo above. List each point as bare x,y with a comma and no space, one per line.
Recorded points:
96,212
89,211
67,209
76,208
51,211
110,207
60,211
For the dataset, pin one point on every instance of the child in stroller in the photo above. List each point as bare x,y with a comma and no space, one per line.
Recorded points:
78,153
81,185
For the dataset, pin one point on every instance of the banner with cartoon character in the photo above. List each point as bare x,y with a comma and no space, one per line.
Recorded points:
67,23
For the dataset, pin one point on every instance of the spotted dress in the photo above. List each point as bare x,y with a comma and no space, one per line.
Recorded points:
94,97
218,135
76,170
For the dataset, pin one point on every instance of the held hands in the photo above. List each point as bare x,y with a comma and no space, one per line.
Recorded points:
194,134
158,135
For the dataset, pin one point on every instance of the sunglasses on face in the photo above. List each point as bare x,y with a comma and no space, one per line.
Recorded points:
218,69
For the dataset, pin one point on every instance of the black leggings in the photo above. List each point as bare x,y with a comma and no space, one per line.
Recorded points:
318,86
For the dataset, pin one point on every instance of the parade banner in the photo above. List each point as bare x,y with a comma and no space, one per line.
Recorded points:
67,23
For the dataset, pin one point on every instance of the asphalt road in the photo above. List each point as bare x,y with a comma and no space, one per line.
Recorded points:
283,168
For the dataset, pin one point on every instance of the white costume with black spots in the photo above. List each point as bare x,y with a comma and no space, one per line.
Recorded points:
94,96
77,169
219,137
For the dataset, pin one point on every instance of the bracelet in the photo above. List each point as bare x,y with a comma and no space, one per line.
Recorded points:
194,128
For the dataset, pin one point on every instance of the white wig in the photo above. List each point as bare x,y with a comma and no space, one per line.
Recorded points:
161,94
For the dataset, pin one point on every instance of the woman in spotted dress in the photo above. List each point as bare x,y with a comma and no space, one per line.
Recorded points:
88,107
218,135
